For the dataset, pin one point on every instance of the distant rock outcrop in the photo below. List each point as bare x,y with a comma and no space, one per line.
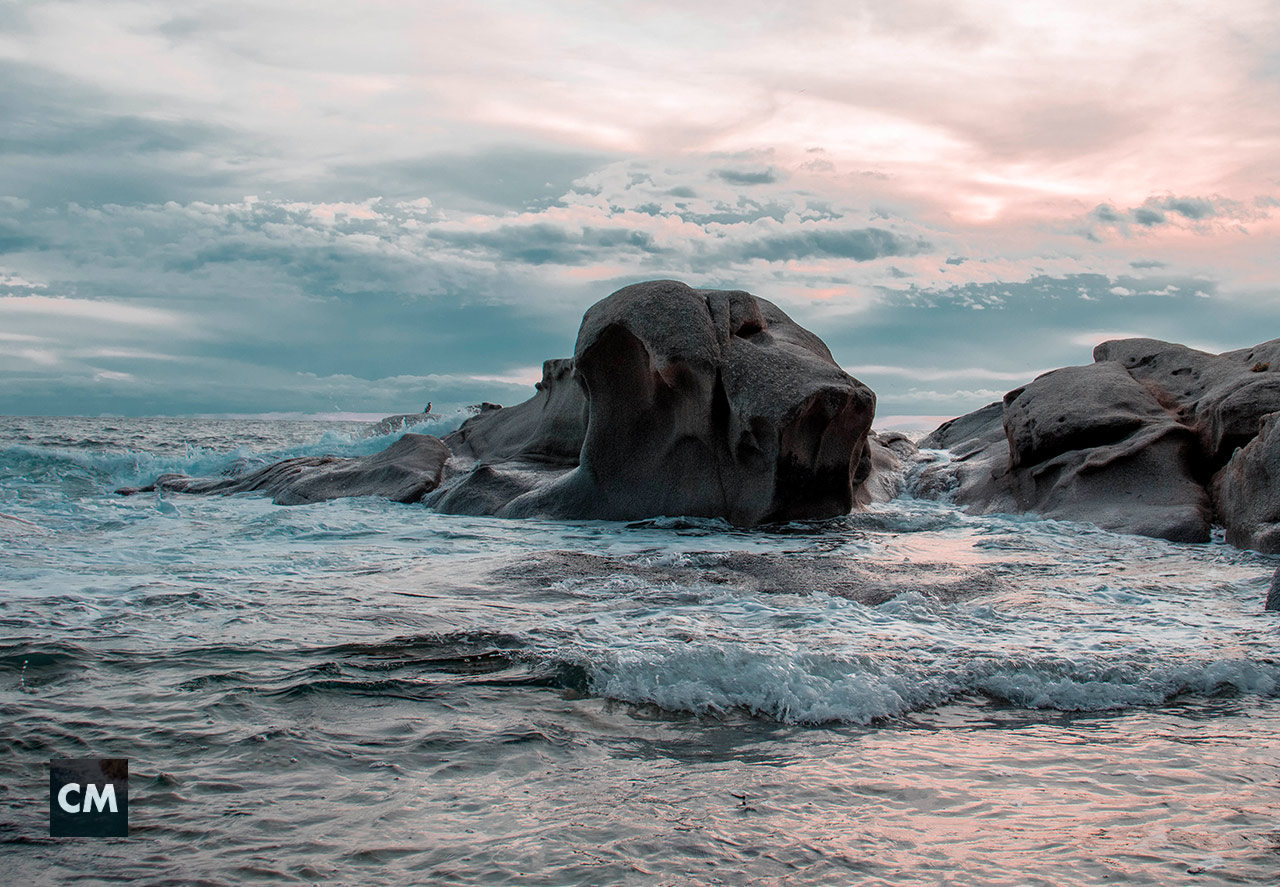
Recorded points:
1152,438
399,422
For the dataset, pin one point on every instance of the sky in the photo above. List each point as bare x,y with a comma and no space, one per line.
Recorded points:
317,207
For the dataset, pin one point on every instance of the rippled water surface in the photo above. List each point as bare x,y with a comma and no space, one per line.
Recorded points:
363,692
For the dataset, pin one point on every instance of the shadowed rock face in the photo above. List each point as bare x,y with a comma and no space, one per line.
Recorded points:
1247,492
1131,442
697,402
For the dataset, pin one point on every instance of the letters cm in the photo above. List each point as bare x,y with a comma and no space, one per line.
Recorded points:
103,797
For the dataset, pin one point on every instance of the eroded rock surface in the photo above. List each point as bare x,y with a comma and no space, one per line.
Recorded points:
1131,443
707,403
1222,397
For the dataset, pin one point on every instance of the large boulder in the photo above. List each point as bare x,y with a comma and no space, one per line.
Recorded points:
1092,443
405,472
1129,442
697,402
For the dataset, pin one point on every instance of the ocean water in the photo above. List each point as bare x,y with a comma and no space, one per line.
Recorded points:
364,692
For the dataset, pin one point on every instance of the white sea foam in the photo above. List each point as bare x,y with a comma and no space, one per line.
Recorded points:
814,689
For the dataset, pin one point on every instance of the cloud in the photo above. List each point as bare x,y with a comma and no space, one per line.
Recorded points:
747,177
514,177
961,395
66,140
543,243
441,192
934,374
860,244
85,309
263,289
1193,213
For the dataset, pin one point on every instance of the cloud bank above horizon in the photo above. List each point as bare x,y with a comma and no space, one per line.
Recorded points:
317,207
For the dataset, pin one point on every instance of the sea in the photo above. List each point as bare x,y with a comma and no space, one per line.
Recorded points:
365,692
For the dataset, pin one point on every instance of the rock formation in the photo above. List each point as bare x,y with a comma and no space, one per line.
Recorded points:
677,401
1152,438
891,452
548,428
1247,491
405,472
400,422
707,403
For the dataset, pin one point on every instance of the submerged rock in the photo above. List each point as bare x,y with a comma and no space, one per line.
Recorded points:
1130,443
404,472
761,572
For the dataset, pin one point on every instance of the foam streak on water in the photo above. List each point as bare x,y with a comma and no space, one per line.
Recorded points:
367,692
